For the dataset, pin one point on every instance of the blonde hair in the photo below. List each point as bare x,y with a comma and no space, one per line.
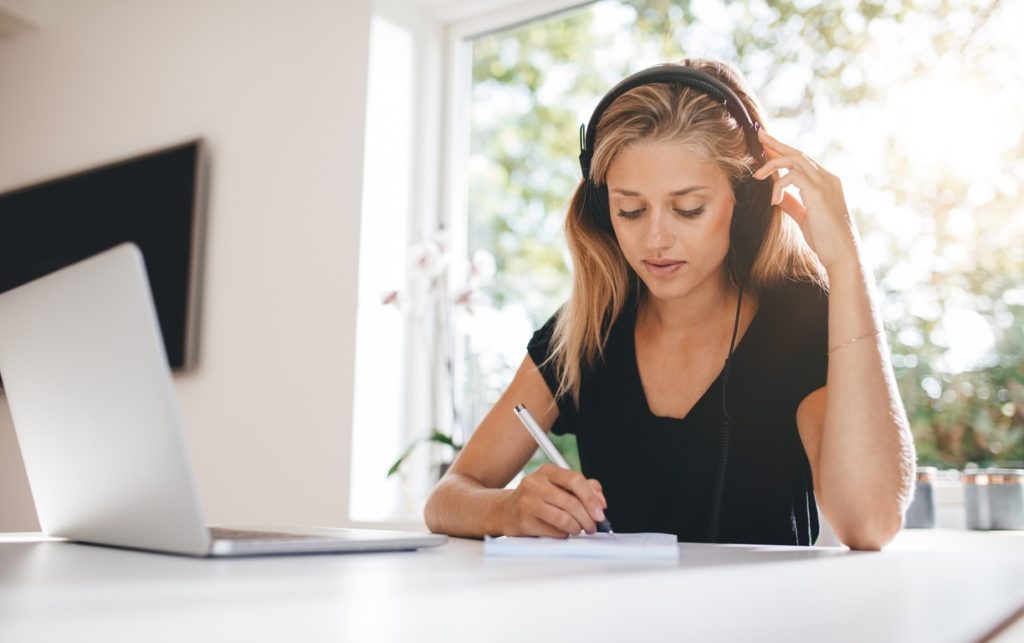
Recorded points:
603,282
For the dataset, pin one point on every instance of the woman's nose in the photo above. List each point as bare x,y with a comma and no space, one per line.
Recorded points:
659,234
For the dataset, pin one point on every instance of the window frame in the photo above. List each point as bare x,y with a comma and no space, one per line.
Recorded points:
440,153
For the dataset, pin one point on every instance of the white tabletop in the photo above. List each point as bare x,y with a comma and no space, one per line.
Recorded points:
928,586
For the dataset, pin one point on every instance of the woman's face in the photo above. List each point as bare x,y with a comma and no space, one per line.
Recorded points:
671,211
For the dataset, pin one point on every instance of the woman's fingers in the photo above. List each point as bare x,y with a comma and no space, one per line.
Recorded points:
581,489
561,499
776,144
537,527
570,513
599,491
783,156
787,200
795,178
770,167
792,206
791,163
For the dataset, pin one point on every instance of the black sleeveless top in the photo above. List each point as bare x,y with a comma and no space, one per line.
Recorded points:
659,474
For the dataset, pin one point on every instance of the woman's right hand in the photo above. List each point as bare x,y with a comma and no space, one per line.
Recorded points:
554,502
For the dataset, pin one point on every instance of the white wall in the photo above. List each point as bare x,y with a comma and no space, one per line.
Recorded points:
278,89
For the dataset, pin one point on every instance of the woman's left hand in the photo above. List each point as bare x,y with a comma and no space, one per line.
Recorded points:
822,216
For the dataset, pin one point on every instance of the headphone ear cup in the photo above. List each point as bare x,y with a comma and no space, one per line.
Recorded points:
751,217
745,197
597,205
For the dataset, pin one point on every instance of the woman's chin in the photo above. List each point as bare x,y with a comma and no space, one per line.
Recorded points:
679,287
658,289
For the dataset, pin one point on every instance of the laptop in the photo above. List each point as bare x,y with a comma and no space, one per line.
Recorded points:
95,414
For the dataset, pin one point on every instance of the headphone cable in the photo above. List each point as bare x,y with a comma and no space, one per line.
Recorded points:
724,431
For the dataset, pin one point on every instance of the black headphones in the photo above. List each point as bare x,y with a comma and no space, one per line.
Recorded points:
753,198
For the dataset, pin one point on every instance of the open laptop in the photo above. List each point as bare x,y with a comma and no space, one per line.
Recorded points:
95,414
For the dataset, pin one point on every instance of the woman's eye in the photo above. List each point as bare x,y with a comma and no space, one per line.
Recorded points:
630,214
689,214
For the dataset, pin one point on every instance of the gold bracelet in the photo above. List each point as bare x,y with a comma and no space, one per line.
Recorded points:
864,336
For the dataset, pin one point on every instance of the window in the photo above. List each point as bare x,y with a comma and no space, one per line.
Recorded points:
913,107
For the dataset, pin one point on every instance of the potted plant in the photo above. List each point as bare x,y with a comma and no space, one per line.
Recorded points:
431,309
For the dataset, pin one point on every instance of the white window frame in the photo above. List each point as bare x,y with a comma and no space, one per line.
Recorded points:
439,149
454,192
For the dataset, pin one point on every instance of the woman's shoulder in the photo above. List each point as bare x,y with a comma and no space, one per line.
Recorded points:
539,345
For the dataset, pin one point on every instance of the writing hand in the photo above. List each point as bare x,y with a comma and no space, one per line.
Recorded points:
554,502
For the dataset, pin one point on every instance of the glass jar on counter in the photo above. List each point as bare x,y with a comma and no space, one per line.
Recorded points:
994,498
921,512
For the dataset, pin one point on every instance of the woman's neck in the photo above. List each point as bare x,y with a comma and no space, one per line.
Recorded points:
699,314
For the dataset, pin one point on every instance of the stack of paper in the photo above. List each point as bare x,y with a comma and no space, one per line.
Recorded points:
599,545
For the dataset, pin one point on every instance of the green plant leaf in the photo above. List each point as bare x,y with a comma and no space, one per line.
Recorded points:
435,436
401,459
441,438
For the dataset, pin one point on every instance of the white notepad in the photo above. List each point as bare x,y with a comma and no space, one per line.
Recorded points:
599,545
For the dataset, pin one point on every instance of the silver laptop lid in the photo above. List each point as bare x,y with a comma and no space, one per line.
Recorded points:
94,408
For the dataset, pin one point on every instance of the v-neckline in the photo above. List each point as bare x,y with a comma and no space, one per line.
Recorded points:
740,342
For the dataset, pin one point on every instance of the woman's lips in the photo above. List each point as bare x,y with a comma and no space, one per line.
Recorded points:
663,267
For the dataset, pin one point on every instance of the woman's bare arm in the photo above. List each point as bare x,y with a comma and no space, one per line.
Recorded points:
471,499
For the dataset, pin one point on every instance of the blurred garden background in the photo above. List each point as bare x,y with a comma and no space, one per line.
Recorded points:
916,105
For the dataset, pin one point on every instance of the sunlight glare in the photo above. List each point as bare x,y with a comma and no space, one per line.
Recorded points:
970,339
953,124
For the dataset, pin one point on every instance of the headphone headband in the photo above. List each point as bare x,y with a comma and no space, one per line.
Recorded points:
672,74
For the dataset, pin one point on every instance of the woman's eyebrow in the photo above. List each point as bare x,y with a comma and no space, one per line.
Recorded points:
692,188
680,192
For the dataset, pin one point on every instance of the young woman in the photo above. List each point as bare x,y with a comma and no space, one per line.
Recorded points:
720,359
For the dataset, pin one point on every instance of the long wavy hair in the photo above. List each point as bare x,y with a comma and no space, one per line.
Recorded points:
603,282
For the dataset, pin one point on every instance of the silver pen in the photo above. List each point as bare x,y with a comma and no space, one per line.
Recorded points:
541,438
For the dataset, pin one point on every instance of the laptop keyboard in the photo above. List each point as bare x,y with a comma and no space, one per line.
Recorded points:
220,533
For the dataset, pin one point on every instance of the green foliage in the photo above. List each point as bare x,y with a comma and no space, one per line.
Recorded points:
973,415
435,436
566,445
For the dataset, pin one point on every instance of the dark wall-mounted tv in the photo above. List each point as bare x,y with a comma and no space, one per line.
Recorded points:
154,199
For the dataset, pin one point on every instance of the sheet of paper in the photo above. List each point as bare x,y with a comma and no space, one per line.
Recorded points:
599,545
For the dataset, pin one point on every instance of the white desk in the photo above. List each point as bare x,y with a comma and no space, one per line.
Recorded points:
919,590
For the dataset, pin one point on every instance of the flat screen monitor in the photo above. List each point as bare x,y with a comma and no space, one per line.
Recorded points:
152,199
